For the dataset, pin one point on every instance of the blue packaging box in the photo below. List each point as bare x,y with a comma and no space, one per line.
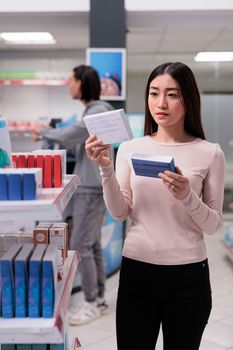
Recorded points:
3,187
49,280
151,165
14,186
57,347
35,281
31,183
21,280
29,187
7,280
40,347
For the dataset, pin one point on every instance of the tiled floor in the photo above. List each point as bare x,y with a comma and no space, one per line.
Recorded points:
100,334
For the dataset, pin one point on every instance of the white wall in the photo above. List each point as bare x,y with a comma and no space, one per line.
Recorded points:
44,5
28,103
153,5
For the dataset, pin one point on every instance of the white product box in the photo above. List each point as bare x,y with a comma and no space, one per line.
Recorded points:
110,127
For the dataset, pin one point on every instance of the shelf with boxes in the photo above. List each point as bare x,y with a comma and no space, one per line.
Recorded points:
52,189
49,206
46,330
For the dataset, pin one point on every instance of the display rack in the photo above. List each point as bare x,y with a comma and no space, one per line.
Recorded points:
36,330
49,206
228,250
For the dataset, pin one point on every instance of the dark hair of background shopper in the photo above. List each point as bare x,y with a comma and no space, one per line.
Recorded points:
89,207
164,278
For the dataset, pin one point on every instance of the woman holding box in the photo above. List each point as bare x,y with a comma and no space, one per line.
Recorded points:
164,279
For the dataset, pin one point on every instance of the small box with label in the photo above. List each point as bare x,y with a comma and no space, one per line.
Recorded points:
151,165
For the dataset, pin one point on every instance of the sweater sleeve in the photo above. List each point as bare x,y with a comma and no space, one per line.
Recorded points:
68,136
77,133
116,187
206,212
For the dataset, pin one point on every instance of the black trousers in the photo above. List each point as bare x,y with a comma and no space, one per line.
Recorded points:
178,298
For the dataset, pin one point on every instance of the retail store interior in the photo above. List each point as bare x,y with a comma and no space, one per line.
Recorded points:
154,35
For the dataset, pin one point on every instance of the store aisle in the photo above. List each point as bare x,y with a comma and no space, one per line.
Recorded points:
100,334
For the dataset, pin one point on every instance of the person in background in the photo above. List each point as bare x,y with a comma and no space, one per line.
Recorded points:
89,208
164,278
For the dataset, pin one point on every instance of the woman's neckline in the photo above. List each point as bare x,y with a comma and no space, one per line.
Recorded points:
172,143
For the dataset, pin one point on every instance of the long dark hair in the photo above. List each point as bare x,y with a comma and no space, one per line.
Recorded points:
90,82
186,81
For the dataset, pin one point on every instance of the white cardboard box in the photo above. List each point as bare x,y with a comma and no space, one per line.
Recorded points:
110,127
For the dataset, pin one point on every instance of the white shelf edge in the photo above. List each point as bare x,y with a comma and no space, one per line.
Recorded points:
43,330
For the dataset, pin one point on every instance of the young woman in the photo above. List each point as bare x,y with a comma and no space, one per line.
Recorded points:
164,279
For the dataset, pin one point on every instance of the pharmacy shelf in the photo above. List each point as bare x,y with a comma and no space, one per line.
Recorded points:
49,206
42,330
34,82
228,250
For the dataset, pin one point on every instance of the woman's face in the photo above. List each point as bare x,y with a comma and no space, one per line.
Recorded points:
75,87
165,102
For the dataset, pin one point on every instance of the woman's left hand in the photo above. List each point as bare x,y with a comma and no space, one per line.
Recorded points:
176,183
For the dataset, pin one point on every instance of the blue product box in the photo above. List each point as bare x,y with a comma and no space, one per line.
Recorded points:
31,183
29,187
24,347
49,280
21,280
48,292
7,280
14,186
40,347
152,165
3,187
35,281
8,347
57,347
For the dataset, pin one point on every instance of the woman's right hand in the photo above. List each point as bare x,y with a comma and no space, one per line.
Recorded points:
97,152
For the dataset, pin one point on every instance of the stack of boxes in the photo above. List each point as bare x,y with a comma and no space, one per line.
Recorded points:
51,162
32,172
151,165
20,184
29,271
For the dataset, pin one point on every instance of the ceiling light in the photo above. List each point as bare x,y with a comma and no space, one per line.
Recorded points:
27,38
214,56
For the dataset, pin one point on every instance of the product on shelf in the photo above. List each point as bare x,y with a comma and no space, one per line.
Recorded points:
49,280
41,235
56,233
7,281
7,239
21,263
35,278
20,184
29,275
52,163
